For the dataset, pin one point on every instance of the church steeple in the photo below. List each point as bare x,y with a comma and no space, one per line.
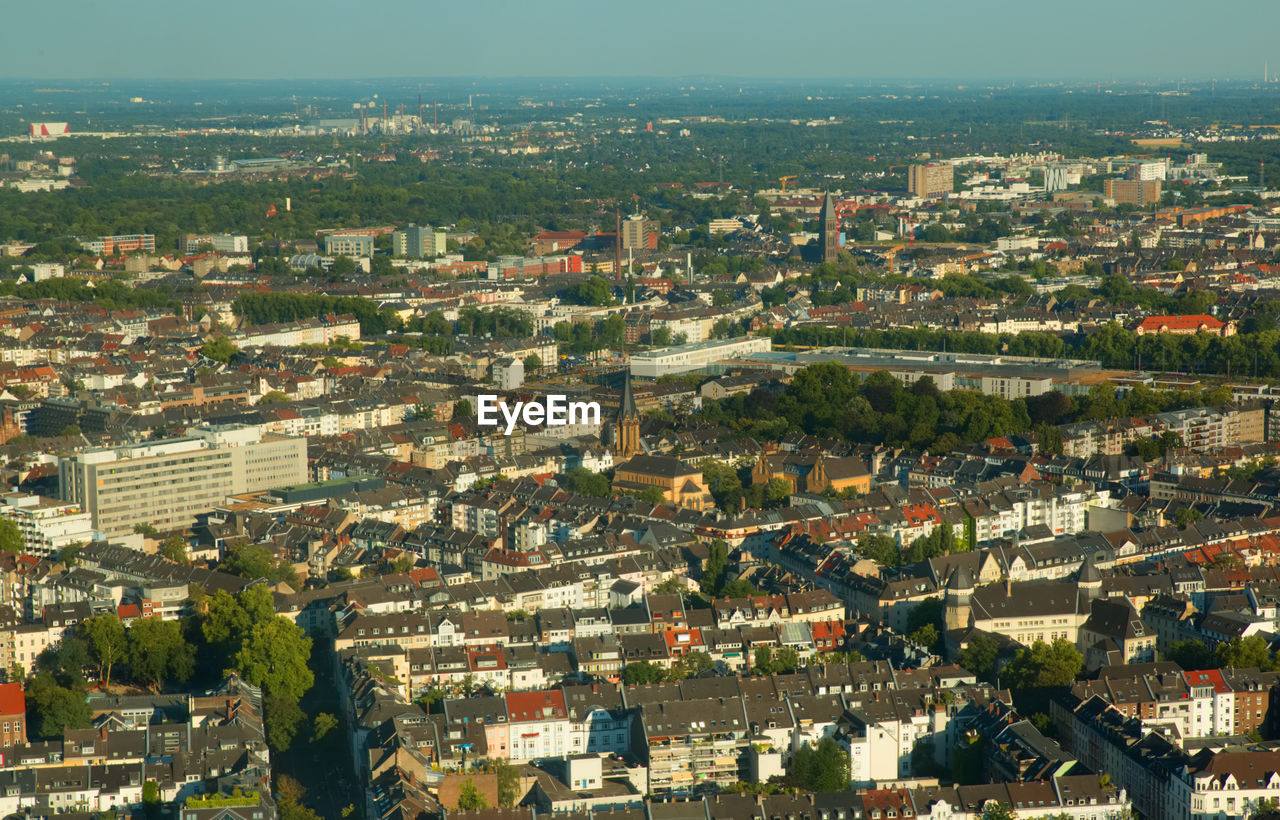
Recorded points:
830,222
627,408
627,430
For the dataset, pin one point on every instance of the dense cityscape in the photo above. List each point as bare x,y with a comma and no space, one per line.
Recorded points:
640,449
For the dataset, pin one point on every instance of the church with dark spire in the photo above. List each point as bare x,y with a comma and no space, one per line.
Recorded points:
830,234
626,430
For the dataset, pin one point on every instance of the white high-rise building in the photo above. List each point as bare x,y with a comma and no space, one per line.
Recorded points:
1056,178
47,524
166,484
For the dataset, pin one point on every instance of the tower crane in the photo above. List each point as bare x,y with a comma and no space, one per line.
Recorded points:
892,255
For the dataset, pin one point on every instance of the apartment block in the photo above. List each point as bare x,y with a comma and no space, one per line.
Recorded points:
1138,192
348,244
639,233
419,242
167,483
218,242
931,180
124,243
47,524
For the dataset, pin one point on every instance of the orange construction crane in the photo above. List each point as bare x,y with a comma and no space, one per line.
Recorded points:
784,181
892,256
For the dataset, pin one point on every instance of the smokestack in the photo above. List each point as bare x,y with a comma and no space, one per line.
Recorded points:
617,241
419,109
435,117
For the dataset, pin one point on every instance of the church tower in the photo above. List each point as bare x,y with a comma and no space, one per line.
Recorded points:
1088,579
626,435
830,229
956,602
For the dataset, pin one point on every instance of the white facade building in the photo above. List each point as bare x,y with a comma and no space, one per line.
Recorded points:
687,358
167,483
47,524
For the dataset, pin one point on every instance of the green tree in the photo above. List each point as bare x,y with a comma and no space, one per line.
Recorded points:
107,642
470,798
880,548
1245,653
762,661
157,652
284,717
230,619
979,656
462,410
254,561
770,662
786,660
219,349
56,708
321,725
582,481
175,549
595,291
11,539
290,800
929,612
653,495
274,656
273,397
1041,665
66,661
508,783
1050,439
343,266
70,554
532,363
966,761
927,636
397,566
691,665
998,811
639,672
824,768
1191,655
776,493
151,800
941,540
713,576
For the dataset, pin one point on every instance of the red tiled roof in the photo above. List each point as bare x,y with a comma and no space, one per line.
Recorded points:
1208,677
1189,322
12,700
523,706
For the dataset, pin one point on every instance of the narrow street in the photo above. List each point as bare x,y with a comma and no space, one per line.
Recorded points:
323,768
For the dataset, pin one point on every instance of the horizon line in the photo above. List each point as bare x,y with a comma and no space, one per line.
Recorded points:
1059,79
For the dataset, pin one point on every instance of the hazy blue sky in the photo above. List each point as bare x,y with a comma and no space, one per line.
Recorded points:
782,38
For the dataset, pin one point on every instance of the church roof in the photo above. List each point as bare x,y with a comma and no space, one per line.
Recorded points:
960,579
828,207
1089,572
627,408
